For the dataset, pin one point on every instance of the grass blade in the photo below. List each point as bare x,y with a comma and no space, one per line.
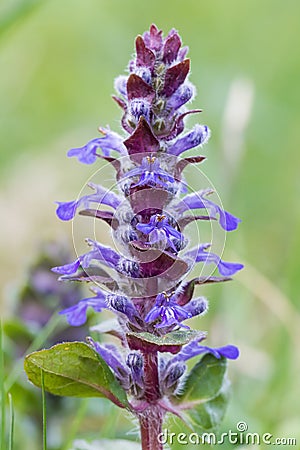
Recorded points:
44,412
2,393
12,423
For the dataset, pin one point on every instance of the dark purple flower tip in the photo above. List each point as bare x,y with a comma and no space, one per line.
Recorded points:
153,38
137,88
175,77
183,94
142,141
144,56
199,254
171,48
167,312
76,315
198,136
88,153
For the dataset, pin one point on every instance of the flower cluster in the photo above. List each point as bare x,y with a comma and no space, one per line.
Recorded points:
145,286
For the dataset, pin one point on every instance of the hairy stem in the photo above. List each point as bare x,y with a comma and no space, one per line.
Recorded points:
151,427
151,419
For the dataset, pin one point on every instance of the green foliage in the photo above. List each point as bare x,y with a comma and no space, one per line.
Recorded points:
171,342
205,395
76,370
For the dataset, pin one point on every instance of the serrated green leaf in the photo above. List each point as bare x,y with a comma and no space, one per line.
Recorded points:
204,380
74,369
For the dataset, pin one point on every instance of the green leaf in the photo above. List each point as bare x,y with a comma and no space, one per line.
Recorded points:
171,342
205,395
74,369
208,415
204,380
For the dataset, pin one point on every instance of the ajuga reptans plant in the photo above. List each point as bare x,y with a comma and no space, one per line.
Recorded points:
144,281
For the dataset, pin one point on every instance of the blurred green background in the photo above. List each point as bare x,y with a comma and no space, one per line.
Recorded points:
58,61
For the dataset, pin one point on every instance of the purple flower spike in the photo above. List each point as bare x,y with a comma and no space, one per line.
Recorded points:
159,229
198,254
67,210
149,216
76,315
88,153
198,136
167,311
197,200
150,173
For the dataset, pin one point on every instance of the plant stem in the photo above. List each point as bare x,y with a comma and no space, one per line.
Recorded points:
151,427
151,418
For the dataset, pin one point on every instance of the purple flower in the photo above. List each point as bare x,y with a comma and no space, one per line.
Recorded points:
198,136
198,254
120,85
88,153
167,312
76,315
171,376
197,306
135,362
150,173
102,254
159,229
67,210
114,359
194,349
139,107
123,305
183,94
197,201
